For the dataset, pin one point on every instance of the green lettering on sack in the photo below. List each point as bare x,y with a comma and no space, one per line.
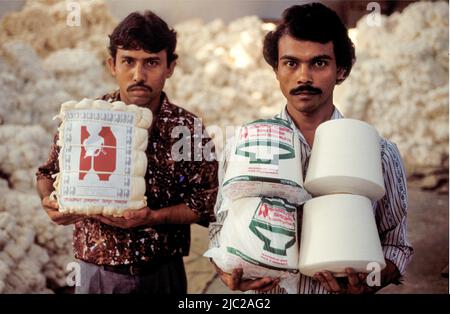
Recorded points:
261,146
276,217
261,179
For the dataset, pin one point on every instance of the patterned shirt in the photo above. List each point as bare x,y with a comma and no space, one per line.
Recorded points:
168,183
390,211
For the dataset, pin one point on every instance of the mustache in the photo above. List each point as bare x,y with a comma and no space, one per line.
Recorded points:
140,85
305,88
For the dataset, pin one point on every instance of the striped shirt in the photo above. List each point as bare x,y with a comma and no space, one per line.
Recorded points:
390,211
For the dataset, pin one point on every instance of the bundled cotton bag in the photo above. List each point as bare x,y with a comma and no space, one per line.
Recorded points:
102,158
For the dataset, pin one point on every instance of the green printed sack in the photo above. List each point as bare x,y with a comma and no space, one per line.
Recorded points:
259,235
265,161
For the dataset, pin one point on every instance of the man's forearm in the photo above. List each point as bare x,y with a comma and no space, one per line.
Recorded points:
178,214
44,187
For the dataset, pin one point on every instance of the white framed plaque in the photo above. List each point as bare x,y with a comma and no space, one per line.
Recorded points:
102,157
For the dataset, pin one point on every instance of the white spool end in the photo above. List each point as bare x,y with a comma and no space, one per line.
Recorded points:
339,231
346,158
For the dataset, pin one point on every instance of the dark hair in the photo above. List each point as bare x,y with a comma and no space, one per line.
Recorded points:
144,31
313,22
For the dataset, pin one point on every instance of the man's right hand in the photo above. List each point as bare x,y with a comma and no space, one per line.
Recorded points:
234,281
51,207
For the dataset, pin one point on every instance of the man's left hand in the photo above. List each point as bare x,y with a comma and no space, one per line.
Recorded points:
356,282
131,218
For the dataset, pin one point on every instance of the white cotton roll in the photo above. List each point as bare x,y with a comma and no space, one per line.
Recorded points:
137,110
101,104
140,139
139,163
68,105
134,205
345,158
119,106
137,188
339,231
85,103
146,119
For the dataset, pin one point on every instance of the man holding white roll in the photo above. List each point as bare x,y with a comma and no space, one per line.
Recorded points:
310,52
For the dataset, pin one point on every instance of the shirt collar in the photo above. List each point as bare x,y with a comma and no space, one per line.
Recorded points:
284,114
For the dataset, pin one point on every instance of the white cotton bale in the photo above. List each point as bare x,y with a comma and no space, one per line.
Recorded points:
119,106
408,51
141,139
85,103
68,105
146,120
102,158
101,104
259,235
339,231
265,161
137,111
346,158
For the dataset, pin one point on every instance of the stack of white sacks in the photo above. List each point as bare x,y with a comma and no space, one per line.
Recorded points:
345,172
262,188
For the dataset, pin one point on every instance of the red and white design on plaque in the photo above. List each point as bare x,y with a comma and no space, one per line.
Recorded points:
96,160
98,152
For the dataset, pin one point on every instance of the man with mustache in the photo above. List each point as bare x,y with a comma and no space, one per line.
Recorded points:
143,252
310,52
